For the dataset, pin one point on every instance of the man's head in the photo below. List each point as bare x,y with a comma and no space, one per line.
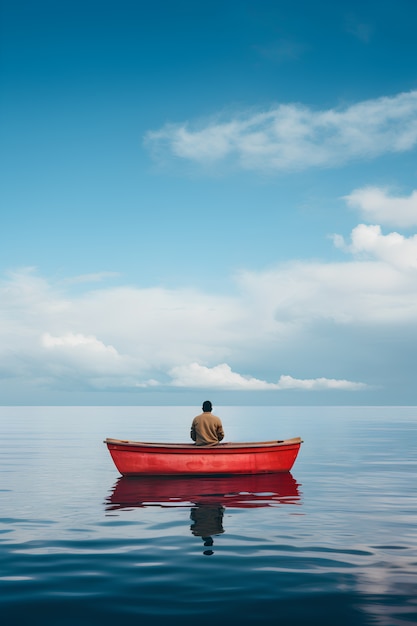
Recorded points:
207,406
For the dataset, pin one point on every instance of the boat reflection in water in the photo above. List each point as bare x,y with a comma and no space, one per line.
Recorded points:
208,497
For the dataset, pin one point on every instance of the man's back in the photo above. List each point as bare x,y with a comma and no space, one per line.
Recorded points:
206,429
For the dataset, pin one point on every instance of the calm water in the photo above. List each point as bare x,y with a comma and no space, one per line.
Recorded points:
334,542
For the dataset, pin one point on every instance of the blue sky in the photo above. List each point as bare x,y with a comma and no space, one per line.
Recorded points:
208,199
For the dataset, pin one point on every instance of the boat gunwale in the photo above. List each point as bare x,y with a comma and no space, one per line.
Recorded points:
191,447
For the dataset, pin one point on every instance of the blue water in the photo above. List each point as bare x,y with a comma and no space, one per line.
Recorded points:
334,542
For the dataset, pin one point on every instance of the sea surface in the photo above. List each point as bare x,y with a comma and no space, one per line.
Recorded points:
334,542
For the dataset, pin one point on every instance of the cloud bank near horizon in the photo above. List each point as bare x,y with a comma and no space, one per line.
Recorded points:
294,137
132,338
222,377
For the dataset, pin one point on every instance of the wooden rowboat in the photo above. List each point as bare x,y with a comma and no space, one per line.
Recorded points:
133,458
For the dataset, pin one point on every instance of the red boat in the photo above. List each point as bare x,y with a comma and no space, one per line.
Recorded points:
133,458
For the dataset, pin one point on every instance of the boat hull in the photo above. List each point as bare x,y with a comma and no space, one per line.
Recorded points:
138,458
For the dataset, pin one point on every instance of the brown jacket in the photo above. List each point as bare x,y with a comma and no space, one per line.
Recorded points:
206,430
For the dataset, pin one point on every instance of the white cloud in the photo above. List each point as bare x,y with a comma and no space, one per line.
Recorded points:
76,341
394,249
76,356
376,205
294,137
293,296
222,377
217,377
288,382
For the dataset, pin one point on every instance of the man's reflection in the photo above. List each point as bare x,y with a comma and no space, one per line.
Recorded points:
207,521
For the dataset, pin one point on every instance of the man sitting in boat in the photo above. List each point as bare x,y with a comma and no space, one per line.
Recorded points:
206,428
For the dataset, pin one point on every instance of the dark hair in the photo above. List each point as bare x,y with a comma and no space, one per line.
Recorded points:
207,406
